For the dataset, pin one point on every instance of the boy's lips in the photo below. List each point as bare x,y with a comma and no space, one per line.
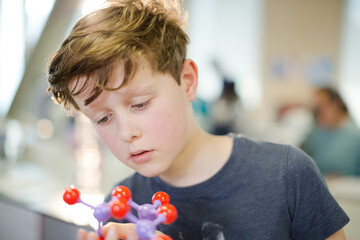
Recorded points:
140,156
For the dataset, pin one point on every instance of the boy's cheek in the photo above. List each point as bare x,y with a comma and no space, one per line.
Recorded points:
158,125
106,136
161,122
111,140
167,127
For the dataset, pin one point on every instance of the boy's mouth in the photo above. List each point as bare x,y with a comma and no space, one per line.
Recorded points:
140,156
137,153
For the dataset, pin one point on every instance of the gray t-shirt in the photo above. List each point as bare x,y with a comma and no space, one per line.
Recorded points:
264,191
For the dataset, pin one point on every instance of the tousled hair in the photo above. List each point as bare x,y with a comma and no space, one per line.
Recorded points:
119,32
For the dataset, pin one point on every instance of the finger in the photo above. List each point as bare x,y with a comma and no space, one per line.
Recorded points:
162,236
122,230
132,236
92,236
81,234
111,235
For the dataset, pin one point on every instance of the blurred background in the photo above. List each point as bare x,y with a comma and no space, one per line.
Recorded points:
260,62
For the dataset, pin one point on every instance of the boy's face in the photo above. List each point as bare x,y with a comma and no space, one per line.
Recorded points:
146,123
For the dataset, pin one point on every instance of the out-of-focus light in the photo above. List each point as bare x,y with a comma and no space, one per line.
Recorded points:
12,51
37,12
87,155
38,7
354,12
91,5
44,128
14,140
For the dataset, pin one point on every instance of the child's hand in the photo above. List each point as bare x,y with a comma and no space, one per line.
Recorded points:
111,231
83,235
114,231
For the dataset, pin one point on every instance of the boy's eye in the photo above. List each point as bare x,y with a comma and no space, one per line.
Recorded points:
103,120
140,106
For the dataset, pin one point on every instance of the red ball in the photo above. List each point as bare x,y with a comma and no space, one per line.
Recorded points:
169,211
121,192
163,237
71,195
163,197
119,208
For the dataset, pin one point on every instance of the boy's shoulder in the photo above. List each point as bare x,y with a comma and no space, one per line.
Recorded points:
262,150
264,157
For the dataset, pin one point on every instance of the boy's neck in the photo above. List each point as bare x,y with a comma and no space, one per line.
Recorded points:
203,157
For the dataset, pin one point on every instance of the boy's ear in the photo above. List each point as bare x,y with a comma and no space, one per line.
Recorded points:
189,77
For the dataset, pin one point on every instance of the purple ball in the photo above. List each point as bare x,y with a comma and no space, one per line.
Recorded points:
102,212
147,211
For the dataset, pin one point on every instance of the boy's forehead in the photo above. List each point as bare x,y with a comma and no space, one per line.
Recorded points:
84,85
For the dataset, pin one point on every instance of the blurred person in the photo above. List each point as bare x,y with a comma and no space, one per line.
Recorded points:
334,139
226,111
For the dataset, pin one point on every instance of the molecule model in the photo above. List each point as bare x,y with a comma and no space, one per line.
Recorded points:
149,216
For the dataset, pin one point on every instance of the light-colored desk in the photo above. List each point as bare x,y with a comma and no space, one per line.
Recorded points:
31,207
346,190
31,200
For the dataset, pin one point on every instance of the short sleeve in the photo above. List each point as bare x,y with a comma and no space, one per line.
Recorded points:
314,212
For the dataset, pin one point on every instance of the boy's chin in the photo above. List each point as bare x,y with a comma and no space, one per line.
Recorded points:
149,174
152,170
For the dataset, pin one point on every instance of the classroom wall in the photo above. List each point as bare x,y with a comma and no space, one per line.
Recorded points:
301,47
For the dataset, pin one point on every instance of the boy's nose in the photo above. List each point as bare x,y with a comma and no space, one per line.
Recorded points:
129,131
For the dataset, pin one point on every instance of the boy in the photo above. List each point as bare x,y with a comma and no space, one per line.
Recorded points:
125,68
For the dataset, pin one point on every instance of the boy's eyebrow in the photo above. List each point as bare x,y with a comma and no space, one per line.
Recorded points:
145,88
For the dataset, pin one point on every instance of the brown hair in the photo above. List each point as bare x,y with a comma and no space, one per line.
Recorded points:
334,97
119,32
